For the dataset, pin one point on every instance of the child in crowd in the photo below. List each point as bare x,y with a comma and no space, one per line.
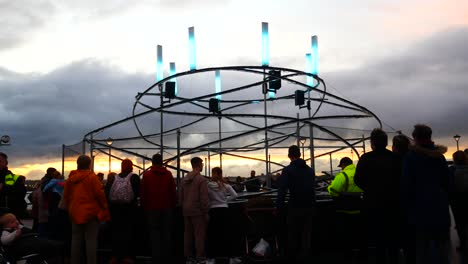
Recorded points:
219,193
21,241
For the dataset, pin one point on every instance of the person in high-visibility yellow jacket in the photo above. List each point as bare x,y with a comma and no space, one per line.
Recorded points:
348,220
12,191
10,179
344,181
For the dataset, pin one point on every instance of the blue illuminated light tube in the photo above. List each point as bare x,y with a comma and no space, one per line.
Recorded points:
172,71
310,80
265,45
218,84
315,60
159,64
192,49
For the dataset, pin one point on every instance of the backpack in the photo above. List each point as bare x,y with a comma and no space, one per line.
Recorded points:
121,190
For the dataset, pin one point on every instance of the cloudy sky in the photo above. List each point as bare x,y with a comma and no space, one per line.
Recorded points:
68,67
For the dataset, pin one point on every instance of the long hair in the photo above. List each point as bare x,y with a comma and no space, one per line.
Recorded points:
217,176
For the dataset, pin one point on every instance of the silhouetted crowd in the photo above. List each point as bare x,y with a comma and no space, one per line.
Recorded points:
399,198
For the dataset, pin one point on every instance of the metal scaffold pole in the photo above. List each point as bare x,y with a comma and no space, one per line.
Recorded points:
161,122
178,158
311,137
91,149
63,160
220,144
265,91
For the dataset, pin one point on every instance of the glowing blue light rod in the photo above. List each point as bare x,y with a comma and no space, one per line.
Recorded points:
159,64
218,84
266,51
265,45
172,71
310,80
315,60
192,50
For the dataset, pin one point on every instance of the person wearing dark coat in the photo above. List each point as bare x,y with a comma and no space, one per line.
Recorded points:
253,184
123,214
377,175
459,196
299,180
424,192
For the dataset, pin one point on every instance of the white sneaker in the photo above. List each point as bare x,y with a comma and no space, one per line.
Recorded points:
190,261
210,261
235,260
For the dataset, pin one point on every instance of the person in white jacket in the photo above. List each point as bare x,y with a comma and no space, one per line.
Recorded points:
219,192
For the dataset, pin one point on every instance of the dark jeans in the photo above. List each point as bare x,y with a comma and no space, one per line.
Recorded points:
384,231
161,230
458,202
219,238
122,225
349,229
427,247
299,222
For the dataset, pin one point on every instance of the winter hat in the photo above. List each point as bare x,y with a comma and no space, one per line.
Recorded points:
127,165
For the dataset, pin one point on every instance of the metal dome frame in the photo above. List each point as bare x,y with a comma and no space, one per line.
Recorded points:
164,108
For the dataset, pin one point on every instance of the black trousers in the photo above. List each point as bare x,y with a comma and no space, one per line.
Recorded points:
219,235
122,226
299,223
161,230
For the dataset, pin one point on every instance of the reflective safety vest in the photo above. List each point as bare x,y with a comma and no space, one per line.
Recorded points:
10,179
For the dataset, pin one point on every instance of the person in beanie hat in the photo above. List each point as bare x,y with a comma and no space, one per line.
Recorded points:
123,197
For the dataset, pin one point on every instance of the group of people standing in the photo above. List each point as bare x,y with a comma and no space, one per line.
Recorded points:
407,193
204,207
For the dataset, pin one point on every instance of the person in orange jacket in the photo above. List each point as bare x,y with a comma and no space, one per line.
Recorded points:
87,206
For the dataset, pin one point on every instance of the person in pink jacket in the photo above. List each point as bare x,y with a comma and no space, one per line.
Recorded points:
195,206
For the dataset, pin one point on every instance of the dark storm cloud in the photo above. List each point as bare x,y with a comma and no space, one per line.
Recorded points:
425,84
20,18
41,112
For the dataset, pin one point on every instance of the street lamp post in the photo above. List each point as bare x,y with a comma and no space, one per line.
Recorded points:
4,140
109,142
302,141
457,138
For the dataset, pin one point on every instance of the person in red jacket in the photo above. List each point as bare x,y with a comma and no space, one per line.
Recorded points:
158,199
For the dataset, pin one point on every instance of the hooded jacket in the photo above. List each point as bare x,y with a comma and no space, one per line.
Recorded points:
9,194
194,195
377,174
158,189
219,195
340,185
424,189
299,179
84,197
